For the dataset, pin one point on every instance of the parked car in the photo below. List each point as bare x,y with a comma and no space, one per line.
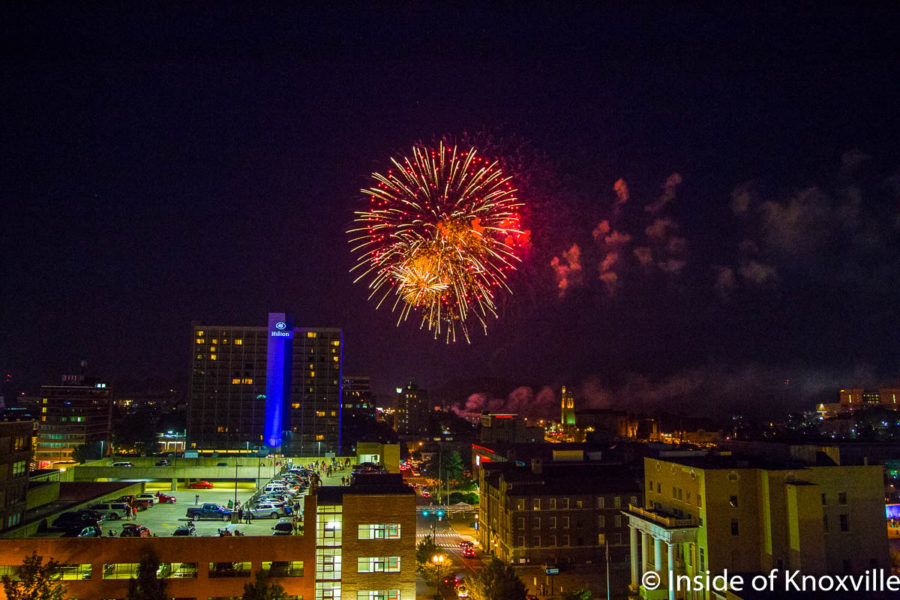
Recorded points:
468,552
111,511
73,520
134,530
209,510
151,497
92,515
283,527
267,509
123,464
165,498
162,463
142,503
185,530
89,531
275,487
222,464
200,484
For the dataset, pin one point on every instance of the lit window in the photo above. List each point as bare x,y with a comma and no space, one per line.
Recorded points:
199,357
212,357
335,358
320,413
239,342
247,380
320,437
215,341
295,405
333,413
236,381
378,531
310,334
200,333
336,343
200,340
312,373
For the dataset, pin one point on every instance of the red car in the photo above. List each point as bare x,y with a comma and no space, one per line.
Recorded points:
165,498
200,485
468,552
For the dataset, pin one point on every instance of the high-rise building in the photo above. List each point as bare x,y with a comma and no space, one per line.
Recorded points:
413,410
15,454
76,413
357,398
277,387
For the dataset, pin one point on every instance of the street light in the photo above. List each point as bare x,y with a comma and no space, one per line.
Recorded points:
438,559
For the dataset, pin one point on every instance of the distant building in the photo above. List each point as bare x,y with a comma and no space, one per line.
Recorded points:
555,512
606,424
749,515
567,402
854,399
277,387
413,410
357,400
76,413
15,457
508,428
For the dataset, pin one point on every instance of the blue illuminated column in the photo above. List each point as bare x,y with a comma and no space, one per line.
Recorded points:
278,375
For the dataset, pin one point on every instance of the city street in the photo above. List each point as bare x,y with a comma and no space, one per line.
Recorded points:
448,532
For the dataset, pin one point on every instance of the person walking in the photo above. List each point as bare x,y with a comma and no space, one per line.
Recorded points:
196,499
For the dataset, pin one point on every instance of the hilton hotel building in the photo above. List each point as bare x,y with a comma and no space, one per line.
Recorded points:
277,387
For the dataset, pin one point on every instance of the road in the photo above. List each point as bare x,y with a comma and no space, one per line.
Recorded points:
447,535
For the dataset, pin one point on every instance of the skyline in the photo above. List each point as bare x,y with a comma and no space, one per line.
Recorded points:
163,169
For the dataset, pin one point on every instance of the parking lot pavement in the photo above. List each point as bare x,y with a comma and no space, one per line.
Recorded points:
163,519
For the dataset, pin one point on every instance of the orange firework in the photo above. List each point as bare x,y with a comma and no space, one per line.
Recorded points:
440,234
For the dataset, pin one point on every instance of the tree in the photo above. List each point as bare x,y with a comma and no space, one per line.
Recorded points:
581,594
147,586
262,590
82,453
34,581
497,581
424,551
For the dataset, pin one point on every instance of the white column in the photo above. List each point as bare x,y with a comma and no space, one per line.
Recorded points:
634,557
670,550
657,554
645,549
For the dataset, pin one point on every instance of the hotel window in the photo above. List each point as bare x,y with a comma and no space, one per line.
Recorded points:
579,504
552,503
552,541
617,521
536,541
601,521
565,540
283,568
565,522
824,500
845,524
212,357
702,558
617,501
239,342
633,500
74,572
601,502
564,503
328,526
520,504
842,497
734,527
201,341
378,595
536,504
520,541
215,341
379,531
825,523
552,522
378,564
320,413
320,437
521,523
733,501
536,524
200,333
311,334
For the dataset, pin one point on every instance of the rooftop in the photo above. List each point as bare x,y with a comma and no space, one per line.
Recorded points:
375,484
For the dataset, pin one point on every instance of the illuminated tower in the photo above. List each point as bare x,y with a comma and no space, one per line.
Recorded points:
568,408
279,350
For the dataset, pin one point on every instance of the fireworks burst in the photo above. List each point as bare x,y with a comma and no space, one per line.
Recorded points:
440,234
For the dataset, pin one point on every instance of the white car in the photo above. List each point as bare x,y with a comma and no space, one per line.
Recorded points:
266,509
152,498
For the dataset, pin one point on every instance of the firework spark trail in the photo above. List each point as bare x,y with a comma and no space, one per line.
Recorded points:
441,233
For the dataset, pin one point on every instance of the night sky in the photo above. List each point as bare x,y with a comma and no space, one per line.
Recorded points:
160,167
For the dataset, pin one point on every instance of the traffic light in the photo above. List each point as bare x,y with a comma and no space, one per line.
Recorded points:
425,513
440,514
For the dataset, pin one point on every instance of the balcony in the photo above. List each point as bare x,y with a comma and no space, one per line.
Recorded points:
663,519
